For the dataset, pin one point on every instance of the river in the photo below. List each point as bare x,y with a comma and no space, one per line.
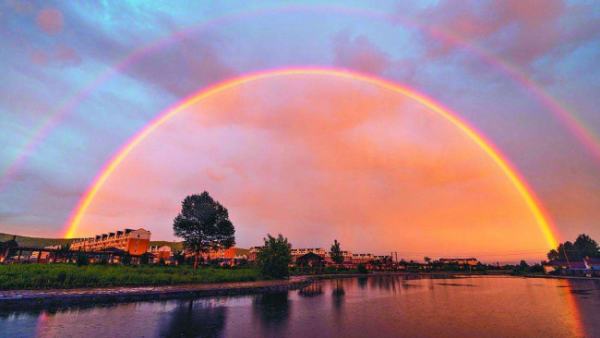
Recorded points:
378,306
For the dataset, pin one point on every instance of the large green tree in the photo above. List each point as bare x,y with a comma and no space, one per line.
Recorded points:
275,257
336,253
204,225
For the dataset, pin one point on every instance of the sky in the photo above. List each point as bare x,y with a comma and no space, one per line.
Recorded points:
312,157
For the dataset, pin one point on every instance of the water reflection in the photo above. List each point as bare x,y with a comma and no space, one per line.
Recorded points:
315,289
362,282
356,307
195,319
272,311
338,294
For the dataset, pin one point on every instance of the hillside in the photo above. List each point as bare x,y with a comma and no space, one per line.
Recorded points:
35,241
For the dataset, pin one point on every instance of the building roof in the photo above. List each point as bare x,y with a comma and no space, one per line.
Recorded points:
310,255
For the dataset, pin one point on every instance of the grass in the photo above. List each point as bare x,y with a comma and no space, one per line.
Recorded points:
65,276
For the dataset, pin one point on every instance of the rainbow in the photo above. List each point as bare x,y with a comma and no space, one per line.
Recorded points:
544,223
563,114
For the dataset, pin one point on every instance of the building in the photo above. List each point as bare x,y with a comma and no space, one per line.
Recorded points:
459,261
303,251
253,252
585,267
362,258
221,254
310,259
134,242
159,253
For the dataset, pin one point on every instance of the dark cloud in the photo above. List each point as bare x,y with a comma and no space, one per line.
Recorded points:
359,53
519,31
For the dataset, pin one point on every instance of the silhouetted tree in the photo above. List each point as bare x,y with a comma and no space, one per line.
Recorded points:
275,256
179,257
584,246
82,259
204,225
336,253
361,268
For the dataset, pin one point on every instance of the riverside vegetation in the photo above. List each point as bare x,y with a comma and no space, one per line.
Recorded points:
46,276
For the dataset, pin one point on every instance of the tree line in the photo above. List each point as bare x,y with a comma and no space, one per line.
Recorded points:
584,246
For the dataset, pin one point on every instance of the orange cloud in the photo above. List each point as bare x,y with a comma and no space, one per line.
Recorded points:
318,159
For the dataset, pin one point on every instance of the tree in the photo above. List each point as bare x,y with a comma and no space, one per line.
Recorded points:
82,259
523,265
361,268
336,253
179,257
586,246
204,225
275,257
427,259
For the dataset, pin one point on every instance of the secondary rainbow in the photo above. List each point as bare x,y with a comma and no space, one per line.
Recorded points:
545,225
564,115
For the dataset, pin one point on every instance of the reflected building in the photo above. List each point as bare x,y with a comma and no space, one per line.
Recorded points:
312,290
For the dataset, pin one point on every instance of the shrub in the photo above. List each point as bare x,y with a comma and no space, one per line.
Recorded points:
126,259
82,259
362,268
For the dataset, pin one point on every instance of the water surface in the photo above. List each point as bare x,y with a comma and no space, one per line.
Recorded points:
390,306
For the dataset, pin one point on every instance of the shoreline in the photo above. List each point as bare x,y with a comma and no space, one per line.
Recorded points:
27,298
18,299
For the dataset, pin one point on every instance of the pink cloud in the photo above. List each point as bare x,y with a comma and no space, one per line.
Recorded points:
60,55
50,20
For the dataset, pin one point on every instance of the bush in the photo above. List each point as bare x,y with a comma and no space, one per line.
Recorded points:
82,259
274,258
126,259
362,268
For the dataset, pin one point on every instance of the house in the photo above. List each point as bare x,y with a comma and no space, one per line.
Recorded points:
6,248
303,251
253,253
584,267
159,253
310,259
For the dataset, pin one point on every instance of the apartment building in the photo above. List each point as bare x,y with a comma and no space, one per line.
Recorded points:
135,242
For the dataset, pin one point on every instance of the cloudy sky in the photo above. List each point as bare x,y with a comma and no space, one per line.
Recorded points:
79,79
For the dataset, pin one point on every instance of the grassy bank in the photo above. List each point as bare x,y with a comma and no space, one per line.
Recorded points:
47,276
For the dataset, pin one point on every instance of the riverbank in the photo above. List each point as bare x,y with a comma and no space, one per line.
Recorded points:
69,276
28,298
559,277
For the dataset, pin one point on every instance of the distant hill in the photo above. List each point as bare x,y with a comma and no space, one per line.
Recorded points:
40,242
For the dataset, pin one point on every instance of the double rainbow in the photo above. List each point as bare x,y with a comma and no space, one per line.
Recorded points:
545,225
